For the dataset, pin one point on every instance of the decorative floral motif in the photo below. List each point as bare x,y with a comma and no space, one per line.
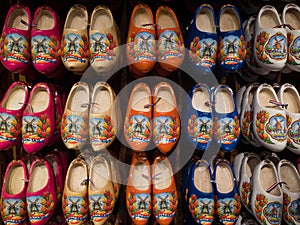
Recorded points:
294,210
273,212
170,45
102,47
294,49
75,208
227,130
100,206
246,121
39,207
10,127
13,211
261,120
165,205
74,48
166,129
276,46
139,206
137,128
101,131
286,203
261,40
246,190
228,209
202,209
200,129
276,127
260,202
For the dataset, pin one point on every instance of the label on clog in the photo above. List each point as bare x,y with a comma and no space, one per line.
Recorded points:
44,49
294,133
276,127
276,47
227,130
294,210
100,206
273,212
14,48
139,206
13,211
142,46
75,209
294,49
200,129
166,130
170,45
10,127
75,48
202,209
165,205
35,129
228,209
40,207
101,131
137,128
291,209
102,47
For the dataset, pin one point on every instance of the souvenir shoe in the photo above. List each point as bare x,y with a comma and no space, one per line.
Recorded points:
41,196
201,193
104,40
38,123
232,44
248,29
11,109
45,40
270,40
166,121
250,161
247,115
75,199
141,46
290,16
137,127
239,99
270,120
226,121
101,191
289,177
185,178
55,161
74,41
289,95
74,124
199,126
102,118
237,164
170,41
201,38
15,39
227,199
165,199
138,189
266,197
13,196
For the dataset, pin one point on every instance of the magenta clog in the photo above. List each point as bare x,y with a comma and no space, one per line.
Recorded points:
15,39
41,192
45,40
38,119
13,205
11,110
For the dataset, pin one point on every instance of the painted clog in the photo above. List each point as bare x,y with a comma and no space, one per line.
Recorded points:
11,110
138,189
237,164
45,40
170,40
141,45
102,117
137,126
13,195
74,41
100,191
75,195
270,41
290,179
38,123
41,196
226,121
199,126
232,44
290,16
201,193
166,121
104,40
15,39
74,124
289,95
165,199
269,120
266,197
248,29
201,38
228,202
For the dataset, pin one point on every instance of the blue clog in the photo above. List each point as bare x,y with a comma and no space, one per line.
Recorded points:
201,38
231,43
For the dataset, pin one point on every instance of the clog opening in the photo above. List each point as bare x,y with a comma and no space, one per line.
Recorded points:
140,176
15,99
44,20
162,175
265,95
292,17
141,17
101,20
229,20
224,178
166,103
76,176
16,179
99,175
269,19
199,98
205,21
140,98
40,100
224,101
290,177
101,100
77,19
78,99
202,179
166,19
268,178
291,98
15,18
39,177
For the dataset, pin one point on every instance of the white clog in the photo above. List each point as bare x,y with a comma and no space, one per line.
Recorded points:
237,162
239,98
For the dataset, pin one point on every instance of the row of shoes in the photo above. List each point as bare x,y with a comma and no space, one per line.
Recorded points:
273,41
151,189
268,118
32,188
269,187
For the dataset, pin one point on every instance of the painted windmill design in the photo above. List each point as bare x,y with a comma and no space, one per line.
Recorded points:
96,205
15,46
4,124
73,127
163,203
40,45
208,51
142,205
33,206
230,47
99,44
72,45
29,127
144,43
163,126
169,42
